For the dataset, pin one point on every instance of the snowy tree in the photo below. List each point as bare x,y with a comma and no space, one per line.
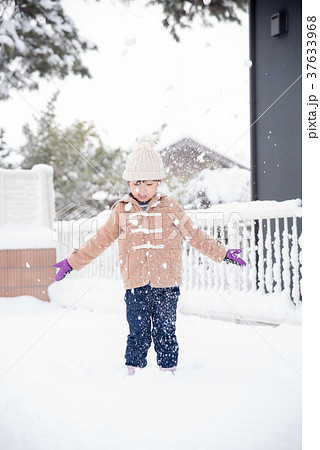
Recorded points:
83,165
9,158
180,13
4,151
37,39
209,187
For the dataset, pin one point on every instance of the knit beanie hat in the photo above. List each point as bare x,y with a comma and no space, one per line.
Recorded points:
144,163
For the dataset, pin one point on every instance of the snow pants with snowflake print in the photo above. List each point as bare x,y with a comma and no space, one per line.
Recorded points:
151,314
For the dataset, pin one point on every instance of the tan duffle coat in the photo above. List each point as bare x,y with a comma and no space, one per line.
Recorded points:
149,241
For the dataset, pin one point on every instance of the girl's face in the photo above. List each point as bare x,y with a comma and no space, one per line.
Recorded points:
143,190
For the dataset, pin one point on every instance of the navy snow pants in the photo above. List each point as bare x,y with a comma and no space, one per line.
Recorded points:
151,314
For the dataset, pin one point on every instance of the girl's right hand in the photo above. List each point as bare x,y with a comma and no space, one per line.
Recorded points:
64,267
232,257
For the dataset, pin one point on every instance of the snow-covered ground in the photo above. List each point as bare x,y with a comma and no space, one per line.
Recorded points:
64,384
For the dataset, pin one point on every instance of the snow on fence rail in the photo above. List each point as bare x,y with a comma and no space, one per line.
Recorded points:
269,233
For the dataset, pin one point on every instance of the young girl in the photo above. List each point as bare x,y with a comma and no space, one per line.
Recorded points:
149,226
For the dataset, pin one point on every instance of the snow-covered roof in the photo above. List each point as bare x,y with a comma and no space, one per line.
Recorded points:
187,154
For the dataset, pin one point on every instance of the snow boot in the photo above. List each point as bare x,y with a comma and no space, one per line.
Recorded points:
131,370
169,369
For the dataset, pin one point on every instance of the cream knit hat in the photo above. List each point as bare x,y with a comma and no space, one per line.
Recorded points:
144,163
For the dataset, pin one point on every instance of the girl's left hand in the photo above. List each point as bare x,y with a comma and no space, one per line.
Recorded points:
233,258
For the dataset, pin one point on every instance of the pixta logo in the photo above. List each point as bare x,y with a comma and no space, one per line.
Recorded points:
74,225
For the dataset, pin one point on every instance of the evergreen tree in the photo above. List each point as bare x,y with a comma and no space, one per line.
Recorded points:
37,38
5,153
181,13
3,149
82,164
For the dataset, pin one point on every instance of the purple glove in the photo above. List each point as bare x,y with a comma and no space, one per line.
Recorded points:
231,257
64,267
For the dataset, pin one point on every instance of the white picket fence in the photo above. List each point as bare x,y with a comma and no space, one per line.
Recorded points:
267,231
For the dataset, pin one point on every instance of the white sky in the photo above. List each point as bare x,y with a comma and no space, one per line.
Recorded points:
142,79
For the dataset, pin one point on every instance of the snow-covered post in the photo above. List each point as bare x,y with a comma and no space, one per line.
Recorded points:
224,267
105,262
238,244
201,278
269,279
232,243
261,258
221,267
191,265
199,264
205,262
253,256
295,262
286,256
277,254
57,228
245,273
216,279
194,265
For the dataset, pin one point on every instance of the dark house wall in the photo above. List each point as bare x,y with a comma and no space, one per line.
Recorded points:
276,140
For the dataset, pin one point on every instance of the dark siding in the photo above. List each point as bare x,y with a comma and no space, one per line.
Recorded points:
276,65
